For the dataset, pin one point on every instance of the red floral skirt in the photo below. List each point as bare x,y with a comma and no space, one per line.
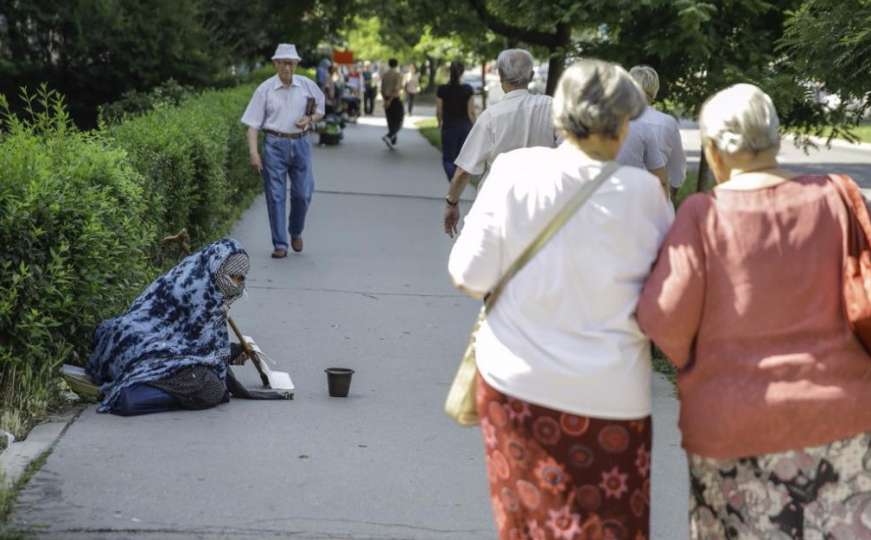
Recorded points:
558,476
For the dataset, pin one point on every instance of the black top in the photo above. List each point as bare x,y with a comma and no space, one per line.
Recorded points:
455,99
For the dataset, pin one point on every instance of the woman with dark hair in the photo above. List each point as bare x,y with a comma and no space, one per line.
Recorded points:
455,110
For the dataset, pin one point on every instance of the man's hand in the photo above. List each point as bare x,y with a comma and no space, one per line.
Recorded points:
256,164
303,122
452,217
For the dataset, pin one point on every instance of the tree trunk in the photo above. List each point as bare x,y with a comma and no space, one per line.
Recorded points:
483,85
554,72
422,69
557,61
432,71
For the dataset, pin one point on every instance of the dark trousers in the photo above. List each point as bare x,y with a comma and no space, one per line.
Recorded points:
395,114
453,138
369,100
409,102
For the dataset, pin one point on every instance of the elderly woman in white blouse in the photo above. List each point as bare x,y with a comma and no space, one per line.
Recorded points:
564,386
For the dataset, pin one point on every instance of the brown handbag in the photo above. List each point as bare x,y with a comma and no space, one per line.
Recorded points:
857,259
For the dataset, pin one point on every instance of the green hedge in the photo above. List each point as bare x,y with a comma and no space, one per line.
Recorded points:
71,245
194,160
81,216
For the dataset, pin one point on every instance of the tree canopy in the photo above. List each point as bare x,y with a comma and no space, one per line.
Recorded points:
802,52
94,51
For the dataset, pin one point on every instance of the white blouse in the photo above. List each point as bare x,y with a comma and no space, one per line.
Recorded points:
563,334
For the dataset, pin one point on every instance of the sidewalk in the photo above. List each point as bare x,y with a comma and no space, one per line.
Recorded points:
369,292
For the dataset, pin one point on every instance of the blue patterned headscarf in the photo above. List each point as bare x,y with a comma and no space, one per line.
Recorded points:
180,320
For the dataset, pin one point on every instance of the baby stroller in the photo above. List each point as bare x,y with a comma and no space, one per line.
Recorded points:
351,107
330,129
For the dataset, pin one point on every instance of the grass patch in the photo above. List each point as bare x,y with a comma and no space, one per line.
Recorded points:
863,132
429,128
663,366
689,186
9,494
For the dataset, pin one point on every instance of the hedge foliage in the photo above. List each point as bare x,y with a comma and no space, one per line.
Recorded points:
194,161
81,218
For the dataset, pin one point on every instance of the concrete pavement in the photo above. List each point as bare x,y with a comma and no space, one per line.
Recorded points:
369,292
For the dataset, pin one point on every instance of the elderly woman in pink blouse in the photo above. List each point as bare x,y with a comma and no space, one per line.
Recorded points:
745,299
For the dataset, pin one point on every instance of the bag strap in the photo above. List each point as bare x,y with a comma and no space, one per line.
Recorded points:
562,217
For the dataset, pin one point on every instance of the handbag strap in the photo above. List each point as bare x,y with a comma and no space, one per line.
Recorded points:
566,212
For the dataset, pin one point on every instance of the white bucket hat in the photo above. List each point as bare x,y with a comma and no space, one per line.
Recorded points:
286,51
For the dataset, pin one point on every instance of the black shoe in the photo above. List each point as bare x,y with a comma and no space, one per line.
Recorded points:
387,141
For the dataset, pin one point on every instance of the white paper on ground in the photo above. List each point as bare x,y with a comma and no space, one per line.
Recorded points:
278,380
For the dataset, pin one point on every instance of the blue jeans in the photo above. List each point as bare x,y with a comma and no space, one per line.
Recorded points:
453,138
283,158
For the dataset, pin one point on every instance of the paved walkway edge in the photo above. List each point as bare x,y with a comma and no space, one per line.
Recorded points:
16,458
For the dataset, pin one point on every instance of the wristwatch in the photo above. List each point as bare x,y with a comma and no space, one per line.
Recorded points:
450,202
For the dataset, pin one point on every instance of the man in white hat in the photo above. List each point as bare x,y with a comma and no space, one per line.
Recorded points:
284,107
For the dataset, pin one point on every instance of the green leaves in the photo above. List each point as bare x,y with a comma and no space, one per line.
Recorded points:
81,215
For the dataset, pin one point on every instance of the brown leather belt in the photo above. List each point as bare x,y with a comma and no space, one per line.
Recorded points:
284,135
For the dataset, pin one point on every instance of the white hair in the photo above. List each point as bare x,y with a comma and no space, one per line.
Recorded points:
741,118
596,97
515,67
648,79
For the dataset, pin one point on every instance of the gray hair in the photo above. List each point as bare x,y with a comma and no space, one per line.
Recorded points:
596,97
515,67
741,118
648,79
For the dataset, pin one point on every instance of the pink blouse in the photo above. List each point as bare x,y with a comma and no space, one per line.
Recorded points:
745,299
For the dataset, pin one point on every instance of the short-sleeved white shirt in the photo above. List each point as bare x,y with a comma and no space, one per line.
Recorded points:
277,107
519,120
653,142
563,334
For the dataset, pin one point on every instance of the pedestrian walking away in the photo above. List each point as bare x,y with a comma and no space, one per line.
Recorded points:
519,120
564,371
391,90
455,112
284,107
747,300
411,86
654,142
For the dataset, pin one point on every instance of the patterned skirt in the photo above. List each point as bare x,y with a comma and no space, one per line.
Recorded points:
823,492
558,476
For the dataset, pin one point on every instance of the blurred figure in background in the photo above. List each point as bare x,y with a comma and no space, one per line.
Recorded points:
654,141
519,120
391,91
370,88
411,86
455,111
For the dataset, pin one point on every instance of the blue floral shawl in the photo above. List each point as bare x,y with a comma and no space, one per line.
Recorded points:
180,320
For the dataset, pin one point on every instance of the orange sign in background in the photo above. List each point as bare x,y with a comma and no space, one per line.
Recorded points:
343,57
